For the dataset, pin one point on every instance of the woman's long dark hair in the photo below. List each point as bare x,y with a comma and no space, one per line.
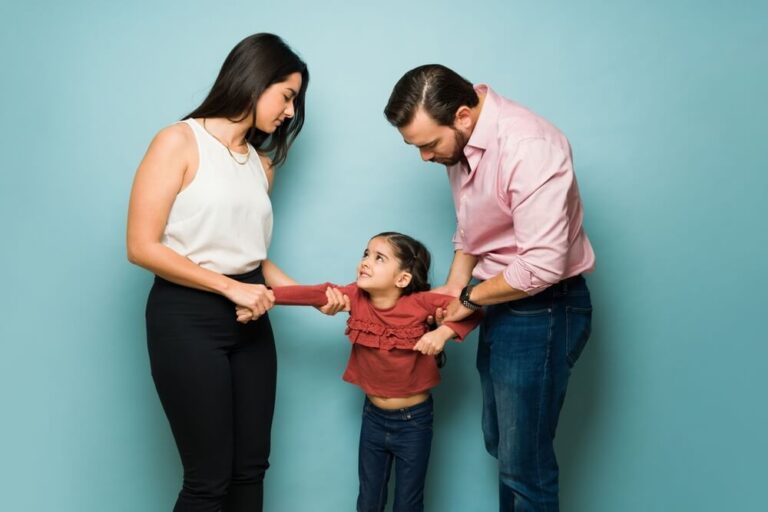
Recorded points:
257,62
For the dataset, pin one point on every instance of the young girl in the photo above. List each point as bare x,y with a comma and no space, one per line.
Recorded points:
392,361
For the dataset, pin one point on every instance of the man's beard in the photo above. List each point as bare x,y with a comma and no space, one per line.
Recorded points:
458,151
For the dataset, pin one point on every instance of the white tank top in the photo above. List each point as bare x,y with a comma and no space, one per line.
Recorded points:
223,219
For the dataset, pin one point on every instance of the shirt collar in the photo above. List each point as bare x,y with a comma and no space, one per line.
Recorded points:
484,130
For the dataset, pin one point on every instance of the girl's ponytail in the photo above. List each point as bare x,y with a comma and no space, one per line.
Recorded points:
414,258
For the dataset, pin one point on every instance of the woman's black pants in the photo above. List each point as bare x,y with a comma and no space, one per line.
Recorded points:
216,381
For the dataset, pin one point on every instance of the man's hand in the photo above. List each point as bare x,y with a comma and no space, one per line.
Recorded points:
455,311
437,319
439,316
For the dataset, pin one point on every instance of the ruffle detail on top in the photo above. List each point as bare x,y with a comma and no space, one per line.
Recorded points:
375,335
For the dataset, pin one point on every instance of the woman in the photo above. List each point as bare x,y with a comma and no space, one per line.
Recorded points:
200,218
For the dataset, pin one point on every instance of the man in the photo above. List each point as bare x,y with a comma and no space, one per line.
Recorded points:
519,232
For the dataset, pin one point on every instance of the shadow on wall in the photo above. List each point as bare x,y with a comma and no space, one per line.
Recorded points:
577,421
577,440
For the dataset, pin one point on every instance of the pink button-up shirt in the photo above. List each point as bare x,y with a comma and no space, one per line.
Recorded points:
517,205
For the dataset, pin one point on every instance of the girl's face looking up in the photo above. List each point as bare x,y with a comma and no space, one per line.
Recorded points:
379,270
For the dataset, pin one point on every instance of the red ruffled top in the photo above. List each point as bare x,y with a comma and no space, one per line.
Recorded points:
380,336
382,361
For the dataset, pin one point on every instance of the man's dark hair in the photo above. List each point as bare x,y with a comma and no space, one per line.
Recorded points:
436,88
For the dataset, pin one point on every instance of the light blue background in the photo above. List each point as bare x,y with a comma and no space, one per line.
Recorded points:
665,106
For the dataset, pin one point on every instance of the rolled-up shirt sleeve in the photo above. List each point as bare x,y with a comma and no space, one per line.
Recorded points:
539,188
458,243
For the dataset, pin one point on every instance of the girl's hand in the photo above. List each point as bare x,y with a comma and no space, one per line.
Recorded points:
257,298
336,302
433,342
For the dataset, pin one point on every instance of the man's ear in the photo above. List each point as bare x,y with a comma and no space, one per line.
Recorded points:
463,118
403,280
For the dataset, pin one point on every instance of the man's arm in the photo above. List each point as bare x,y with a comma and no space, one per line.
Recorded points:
459,274
493,291
458,277
541,192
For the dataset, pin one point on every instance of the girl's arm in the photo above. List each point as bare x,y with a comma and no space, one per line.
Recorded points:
433,341
335,299
322,296
431,301
309,295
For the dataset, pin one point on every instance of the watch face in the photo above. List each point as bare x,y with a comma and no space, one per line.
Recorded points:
464,298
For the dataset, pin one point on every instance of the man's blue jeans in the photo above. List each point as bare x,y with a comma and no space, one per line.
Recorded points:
402,436
525,354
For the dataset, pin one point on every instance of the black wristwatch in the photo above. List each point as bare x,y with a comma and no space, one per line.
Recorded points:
464,298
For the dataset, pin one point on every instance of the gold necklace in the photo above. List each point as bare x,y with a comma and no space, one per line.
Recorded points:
231,154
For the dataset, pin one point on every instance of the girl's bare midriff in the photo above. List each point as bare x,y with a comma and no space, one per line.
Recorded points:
398,402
